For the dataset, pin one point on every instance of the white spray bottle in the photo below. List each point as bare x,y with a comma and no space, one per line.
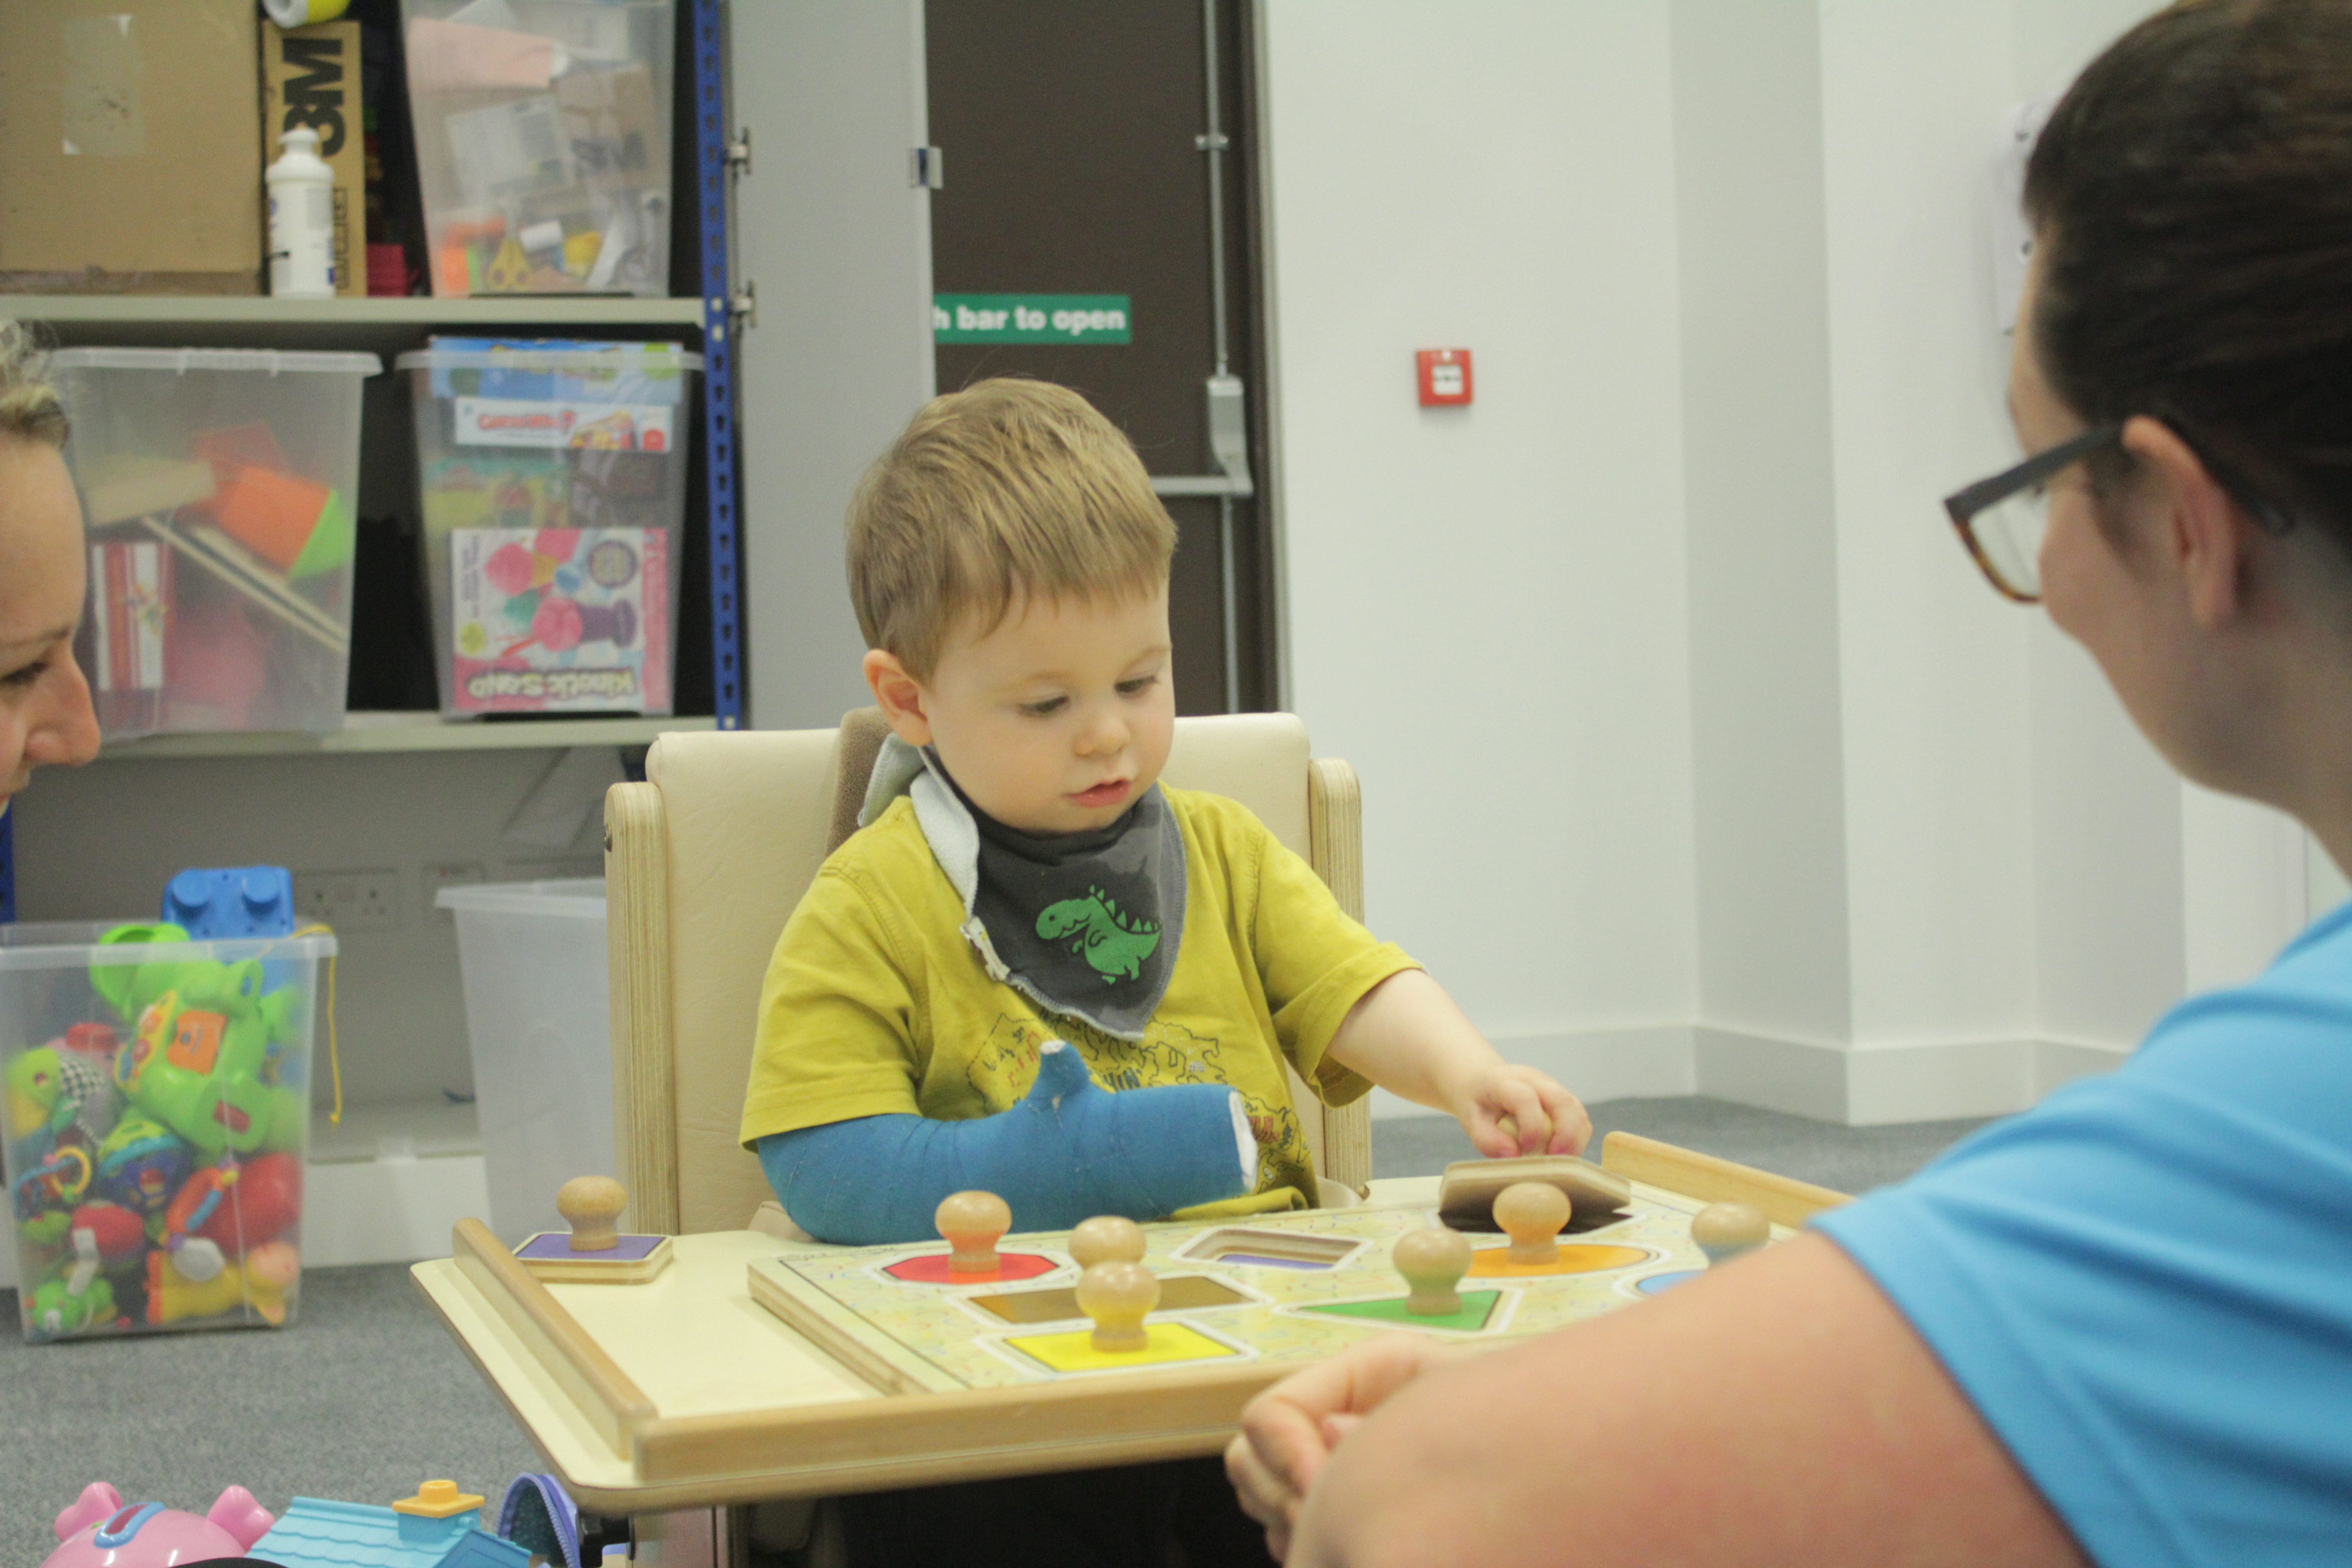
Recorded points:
301,219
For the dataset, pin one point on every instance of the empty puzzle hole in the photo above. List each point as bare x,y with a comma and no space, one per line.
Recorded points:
1270,1249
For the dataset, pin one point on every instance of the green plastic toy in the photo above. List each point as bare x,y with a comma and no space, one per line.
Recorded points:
204,1038
57,1309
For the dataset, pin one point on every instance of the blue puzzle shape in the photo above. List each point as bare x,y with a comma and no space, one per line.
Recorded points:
239,901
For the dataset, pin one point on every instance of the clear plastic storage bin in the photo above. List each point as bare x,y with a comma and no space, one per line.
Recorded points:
158,1111
551,477
219,486
542,143
532,957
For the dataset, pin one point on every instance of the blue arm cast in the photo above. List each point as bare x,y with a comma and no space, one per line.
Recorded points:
1067,1151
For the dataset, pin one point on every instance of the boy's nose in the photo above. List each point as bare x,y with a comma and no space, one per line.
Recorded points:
1105,733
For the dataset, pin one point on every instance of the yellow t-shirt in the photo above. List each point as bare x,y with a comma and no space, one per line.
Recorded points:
876,1004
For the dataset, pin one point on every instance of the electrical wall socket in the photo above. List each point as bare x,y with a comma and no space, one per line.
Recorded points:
449,874
349,900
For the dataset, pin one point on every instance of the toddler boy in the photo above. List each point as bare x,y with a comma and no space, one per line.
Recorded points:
1022,880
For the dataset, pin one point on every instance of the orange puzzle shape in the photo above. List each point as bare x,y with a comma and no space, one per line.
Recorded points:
1573,1257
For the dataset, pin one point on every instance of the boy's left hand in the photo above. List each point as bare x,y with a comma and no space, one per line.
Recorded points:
1509,1109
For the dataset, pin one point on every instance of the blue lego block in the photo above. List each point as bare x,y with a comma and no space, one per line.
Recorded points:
241,900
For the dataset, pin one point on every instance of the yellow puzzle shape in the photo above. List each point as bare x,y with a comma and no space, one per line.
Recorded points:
1163,1343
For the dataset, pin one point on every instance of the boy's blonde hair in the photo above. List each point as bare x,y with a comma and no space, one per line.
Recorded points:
30,409
1006,491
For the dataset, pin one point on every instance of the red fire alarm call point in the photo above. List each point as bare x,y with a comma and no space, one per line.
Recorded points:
1444,377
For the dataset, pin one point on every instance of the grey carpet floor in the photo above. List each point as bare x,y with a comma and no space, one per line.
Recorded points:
365,1395
361,1398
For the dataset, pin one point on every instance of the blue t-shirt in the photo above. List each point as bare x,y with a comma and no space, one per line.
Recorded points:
2145,1284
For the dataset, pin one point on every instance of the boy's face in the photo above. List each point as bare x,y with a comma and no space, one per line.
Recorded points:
1056,721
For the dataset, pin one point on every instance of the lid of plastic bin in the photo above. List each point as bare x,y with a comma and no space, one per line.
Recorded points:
580,898
75,945
553,356
269,361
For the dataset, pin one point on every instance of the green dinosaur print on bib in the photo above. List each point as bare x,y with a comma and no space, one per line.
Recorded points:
1113,943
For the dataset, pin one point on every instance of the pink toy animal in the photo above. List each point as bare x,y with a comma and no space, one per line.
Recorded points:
100,1531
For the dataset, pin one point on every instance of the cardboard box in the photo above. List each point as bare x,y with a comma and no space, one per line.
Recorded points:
130,146
311,76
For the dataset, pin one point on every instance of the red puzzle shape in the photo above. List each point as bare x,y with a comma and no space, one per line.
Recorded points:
931,1268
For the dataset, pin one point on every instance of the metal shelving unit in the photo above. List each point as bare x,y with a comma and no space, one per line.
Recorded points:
380,732
387,324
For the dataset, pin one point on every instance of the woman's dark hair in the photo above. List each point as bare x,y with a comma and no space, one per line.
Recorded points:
2192,196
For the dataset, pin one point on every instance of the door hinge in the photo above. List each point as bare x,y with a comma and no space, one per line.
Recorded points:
745,306
739,152
928,168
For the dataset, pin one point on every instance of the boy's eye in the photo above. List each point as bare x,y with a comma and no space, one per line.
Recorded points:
1141,684
27,675
1046,708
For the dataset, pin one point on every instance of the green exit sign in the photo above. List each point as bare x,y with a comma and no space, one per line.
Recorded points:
1099,319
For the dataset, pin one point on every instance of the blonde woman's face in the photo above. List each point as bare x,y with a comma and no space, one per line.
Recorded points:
44,712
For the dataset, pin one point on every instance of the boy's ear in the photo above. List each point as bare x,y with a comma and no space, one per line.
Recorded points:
900,696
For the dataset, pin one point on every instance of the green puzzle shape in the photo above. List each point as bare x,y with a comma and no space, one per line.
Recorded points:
1477,1306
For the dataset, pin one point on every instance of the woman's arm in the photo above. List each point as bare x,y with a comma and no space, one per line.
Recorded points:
1779,1410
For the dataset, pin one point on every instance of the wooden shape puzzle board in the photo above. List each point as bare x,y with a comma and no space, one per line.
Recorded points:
1286,1287
685,1391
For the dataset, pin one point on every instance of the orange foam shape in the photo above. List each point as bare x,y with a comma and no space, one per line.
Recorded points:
270,513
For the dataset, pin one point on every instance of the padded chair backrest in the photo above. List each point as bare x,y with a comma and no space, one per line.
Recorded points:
706,859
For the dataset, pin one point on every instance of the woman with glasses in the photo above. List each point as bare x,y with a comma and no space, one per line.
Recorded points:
2117,1328
45,712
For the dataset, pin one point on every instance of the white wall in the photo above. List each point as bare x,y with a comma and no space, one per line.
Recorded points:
1488,604
1837,830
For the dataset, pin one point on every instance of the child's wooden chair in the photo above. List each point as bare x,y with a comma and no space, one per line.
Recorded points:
704,861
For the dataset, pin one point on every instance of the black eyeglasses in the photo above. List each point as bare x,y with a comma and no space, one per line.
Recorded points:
2002,519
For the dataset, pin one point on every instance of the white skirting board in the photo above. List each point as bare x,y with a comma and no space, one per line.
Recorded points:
374,1211
1867,1086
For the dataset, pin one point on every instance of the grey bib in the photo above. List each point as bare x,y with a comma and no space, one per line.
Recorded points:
1085,924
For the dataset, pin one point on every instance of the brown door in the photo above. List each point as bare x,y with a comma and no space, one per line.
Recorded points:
1071,135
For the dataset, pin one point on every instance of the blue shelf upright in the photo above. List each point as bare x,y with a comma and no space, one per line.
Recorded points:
715,168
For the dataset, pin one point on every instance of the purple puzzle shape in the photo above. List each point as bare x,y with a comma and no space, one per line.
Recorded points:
558,1245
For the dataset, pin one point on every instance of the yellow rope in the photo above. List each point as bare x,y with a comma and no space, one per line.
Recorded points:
334,1056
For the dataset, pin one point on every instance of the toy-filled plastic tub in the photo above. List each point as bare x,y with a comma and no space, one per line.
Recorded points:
542,143
532,957
552,482
157,1113
219,487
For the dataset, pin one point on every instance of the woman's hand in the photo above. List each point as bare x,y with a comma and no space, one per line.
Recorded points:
1509,1109
1288,1431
